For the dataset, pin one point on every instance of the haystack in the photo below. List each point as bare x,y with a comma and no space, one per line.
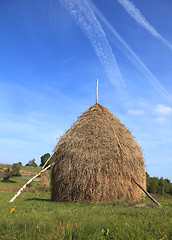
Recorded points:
96,160
44,182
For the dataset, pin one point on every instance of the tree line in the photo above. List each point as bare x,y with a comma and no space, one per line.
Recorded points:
44,158
158,185
154,184
15,169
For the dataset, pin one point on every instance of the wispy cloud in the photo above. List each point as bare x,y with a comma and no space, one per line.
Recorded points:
87,21
137,15
132,56
163,113
161,119
163,110
136,112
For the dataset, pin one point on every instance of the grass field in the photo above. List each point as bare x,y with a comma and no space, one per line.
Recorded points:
36,217
32,169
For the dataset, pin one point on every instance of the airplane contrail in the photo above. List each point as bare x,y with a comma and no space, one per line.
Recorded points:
137,15
131,55
87,21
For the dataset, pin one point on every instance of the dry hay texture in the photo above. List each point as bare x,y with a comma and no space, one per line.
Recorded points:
96,159
44,182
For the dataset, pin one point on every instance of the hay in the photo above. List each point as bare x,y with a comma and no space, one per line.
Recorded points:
96,159
44,182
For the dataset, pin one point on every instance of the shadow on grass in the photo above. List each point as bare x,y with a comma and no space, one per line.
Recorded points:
38,199
10,181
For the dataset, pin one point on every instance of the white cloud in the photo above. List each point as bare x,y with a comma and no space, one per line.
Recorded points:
163,110
137,15
161,119
136,112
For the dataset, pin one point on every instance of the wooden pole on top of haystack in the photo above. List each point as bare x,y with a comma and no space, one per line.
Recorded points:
97,91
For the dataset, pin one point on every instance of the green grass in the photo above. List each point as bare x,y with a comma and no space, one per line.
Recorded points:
31,169
16,183
35,217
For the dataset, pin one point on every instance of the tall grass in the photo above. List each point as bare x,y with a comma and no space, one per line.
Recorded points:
35,217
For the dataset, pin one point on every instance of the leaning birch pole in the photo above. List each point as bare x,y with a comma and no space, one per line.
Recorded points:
97,91
48,160
30,180
153,199
26,184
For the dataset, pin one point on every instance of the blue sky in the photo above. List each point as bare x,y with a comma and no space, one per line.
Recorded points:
51,53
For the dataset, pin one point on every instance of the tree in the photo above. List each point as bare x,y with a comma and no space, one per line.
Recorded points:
32,163
7,175
170,190
16,169
44,158
19,163
161,186
153,187
148,182
10,172
167,185
158,185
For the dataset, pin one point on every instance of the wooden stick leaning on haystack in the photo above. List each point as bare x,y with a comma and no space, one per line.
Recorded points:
153,199
30,180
